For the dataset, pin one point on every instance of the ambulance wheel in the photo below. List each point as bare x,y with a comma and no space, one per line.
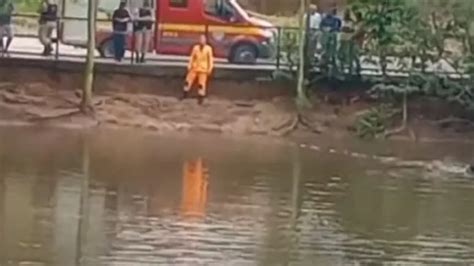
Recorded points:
106,48
244,54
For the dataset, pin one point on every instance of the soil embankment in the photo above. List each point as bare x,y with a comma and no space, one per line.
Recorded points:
234,107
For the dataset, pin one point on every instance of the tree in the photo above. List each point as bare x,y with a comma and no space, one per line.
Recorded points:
302,99
383,20
86,103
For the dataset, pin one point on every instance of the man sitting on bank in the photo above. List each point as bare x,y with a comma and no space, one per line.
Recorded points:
201,64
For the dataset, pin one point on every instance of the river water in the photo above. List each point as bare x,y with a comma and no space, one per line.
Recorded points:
123,198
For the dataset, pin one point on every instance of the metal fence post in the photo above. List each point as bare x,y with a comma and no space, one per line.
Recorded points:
278,51
58,25
133,46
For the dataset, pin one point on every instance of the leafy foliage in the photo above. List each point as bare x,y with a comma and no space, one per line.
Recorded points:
375,121
383,20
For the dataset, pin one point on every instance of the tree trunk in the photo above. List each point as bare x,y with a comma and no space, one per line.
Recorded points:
301,93
86,103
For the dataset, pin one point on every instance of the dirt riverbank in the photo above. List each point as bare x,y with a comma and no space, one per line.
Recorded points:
332,116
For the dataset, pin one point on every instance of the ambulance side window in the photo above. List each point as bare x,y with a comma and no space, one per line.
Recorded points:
179,3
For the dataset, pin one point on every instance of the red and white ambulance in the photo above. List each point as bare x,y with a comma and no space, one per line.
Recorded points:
233,33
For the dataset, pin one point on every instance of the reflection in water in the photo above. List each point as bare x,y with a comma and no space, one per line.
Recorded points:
66,215
84,201
194,193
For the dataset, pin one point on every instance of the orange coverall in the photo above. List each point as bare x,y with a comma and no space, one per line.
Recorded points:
201,64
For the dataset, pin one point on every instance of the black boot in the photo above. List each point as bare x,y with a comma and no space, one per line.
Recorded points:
137,57
48,50
45,51
184,95
200,100
142,59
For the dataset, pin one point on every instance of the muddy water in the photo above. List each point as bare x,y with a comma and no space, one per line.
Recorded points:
122,198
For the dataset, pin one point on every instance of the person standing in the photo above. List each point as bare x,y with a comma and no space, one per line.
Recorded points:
48,11
6,31
358,38
313,21
330,27
201,64
120,20
142,30
347,43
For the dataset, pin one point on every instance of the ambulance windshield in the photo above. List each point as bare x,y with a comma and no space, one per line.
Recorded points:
225,9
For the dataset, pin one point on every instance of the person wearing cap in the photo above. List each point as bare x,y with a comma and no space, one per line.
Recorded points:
142,29
120,20
201,64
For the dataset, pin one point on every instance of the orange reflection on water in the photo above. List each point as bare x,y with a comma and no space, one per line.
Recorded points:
194,188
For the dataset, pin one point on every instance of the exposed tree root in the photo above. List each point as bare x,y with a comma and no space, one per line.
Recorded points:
396,131
52,117
453,120
292,126
244,104
308,125
390,132
294,123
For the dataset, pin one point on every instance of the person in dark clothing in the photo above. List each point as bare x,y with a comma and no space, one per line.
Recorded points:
48,11
330,27
142,29
331,21
120,20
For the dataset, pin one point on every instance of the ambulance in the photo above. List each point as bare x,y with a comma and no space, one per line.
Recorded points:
232,32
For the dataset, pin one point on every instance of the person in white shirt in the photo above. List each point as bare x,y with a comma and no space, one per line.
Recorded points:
313,20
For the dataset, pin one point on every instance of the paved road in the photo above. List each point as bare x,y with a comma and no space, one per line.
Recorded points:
25,47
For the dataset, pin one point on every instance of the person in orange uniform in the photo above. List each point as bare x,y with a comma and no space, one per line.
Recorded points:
201,64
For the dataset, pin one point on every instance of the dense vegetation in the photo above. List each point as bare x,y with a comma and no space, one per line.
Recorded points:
413,35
